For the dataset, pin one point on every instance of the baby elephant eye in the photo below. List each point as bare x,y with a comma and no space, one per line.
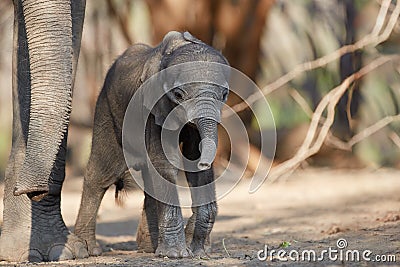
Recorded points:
178,94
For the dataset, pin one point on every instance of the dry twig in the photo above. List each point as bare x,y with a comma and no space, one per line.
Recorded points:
301,101
395,138
223,244
336,142
380,19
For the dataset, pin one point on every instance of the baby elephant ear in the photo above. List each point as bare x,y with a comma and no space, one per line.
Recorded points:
188,37
151,66
161,111
171,41
157,102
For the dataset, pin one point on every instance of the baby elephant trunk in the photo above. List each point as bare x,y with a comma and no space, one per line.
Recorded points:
209,139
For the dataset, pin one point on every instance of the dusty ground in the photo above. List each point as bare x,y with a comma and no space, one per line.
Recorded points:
310,210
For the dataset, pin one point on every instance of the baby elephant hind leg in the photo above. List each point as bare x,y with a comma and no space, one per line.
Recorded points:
85,226
147,233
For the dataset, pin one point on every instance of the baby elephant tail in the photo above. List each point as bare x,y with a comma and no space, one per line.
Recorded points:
122,186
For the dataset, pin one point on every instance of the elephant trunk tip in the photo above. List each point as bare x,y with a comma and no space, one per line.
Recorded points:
208,152
203,166
34,190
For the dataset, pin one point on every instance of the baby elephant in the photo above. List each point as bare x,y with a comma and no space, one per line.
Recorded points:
161,228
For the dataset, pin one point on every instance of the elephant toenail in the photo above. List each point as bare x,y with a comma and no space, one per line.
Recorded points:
184,253
80,250
172,254
60,252
96,251
33,256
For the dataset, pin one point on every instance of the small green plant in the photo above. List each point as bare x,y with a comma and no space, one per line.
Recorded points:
285,244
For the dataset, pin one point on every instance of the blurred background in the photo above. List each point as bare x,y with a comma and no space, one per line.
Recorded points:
262,38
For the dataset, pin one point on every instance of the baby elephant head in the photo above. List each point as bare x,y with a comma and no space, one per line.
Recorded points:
194,81
199,104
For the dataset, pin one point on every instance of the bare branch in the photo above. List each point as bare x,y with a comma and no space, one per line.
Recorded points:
317,135
301,101
371,39
373,129
367,132
395,138
380,20
335,142
390,25
348,107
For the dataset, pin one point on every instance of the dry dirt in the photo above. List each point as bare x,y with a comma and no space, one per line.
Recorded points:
310,210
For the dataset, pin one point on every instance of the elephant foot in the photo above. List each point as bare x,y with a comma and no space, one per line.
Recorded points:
47,244
36,232
199,250
200,254
143,240
147,232
180,251
93,248
55,252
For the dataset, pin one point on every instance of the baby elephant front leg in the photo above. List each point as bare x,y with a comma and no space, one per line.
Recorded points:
171,234
171,240
201,222
199,227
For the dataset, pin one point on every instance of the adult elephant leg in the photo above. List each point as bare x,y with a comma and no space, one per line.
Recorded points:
35,231
200,224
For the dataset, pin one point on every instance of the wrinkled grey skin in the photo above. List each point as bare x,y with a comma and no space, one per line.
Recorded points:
47,38
161,229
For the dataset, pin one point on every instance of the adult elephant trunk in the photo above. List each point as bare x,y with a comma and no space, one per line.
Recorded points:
49,38
207,128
